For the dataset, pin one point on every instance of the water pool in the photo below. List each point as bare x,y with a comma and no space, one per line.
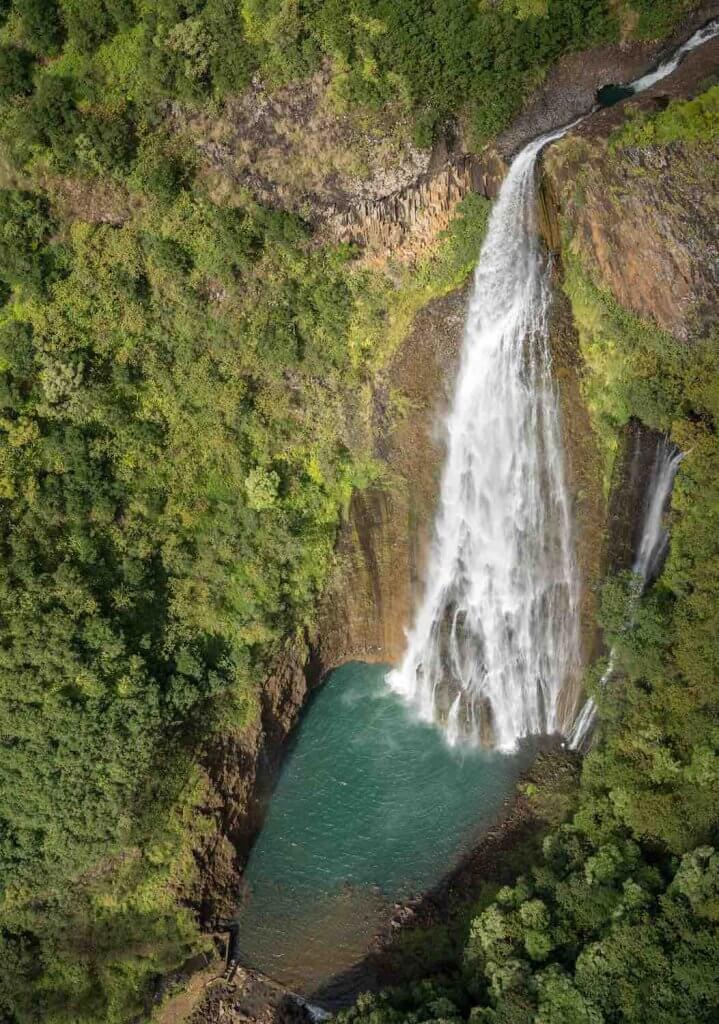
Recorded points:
371,806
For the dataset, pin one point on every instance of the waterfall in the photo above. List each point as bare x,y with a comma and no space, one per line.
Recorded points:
648,562
654,540
703,35
496,635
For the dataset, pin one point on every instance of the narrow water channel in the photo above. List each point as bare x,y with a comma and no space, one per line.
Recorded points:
372,806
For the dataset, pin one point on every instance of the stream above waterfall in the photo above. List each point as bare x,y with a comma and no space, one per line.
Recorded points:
372,806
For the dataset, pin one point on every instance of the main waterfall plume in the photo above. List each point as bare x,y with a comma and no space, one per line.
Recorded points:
496,635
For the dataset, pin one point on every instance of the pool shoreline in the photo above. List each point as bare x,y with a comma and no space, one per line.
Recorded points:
514,834
495,858
372,809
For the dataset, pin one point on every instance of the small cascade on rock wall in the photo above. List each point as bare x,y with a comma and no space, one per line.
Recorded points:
611,94
496,636
650,556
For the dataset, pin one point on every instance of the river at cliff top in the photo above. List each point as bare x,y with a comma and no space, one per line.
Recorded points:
372,806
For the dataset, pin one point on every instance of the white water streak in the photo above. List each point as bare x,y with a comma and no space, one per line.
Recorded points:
652,550
496,634
703,35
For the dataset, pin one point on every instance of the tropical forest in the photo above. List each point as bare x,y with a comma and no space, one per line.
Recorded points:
359,511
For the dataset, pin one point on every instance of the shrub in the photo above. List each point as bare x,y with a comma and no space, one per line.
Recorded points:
15,72
25,229
40,25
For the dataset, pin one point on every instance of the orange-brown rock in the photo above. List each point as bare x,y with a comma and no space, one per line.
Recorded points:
383,544
405,225
643,220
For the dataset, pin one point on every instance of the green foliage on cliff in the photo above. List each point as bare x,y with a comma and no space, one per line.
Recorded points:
634,368
180,431
389,302
439,60
172,468
658,758
112,62
655,18
175,455
685,121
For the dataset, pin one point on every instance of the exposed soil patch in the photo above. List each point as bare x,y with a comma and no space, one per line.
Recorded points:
179,1008
248,996
96,201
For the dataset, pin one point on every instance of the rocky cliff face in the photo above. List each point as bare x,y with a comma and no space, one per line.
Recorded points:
584,481
240,772
406,224
382,546
644,221
570,89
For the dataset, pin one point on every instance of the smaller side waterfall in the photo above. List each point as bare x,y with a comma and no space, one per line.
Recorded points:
654,541
648,562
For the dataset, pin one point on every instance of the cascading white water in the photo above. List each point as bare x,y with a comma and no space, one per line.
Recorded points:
651,552
496,635
703,35
654,539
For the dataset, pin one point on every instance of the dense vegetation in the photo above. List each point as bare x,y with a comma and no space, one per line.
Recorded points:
694,120
113,60
174,451
619,919
175,461
170,498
